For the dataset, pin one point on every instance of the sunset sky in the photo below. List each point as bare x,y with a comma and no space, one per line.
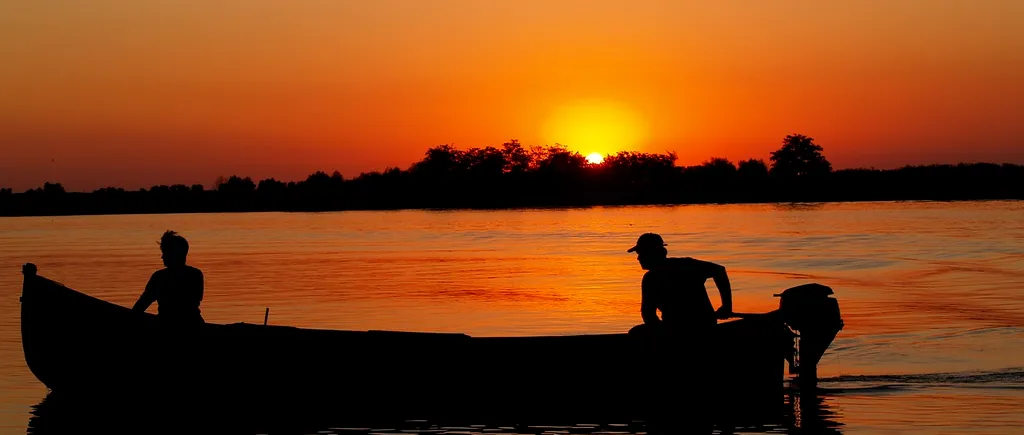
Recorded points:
134,93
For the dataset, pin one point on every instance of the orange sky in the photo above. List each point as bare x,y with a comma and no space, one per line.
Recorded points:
131,94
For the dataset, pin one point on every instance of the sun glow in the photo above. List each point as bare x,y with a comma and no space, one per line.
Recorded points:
595,127
595,158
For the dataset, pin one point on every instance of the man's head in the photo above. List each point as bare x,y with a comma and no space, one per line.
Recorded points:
650,250
174,249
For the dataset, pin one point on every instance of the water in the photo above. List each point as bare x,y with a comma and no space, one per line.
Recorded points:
932,293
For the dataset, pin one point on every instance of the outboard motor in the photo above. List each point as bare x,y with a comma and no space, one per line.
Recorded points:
813,315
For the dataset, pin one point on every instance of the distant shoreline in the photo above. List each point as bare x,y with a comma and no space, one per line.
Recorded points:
514,177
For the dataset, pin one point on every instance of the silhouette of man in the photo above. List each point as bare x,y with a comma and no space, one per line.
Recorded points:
178,288
675,286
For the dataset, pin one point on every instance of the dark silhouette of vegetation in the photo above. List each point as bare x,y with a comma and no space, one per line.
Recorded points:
515,176
799,157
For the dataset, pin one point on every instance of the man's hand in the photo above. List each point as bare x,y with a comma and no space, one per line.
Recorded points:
724,312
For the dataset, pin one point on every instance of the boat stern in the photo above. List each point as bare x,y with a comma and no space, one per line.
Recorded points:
812,312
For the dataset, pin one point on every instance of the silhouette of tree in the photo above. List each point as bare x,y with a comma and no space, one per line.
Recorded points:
636,168
320,191
517,159
629,176
633,162
799,156
108,191
440,162
389,175
486,162
752,169
718,168
714,180
180,189
559,160
320,182
53,188
48,189
271,186
237,185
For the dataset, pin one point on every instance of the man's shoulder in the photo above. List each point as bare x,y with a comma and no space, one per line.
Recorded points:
692,266
664,269
690,261
681,261
178,271
655,277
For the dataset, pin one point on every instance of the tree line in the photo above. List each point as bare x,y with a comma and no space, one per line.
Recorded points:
514,176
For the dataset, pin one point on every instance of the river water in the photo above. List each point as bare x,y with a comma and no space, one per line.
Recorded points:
931,293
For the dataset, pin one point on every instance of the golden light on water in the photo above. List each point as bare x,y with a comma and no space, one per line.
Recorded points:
596,127
595,158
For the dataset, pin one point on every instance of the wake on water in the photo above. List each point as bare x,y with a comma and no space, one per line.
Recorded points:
1009,378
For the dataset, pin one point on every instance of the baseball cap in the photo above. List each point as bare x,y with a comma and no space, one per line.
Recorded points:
648,241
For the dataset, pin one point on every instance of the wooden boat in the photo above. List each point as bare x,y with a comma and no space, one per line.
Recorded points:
76,344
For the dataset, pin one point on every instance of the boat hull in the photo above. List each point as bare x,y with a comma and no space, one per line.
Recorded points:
79,345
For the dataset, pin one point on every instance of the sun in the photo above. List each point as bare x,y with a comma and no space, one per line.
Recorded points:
595,158
595,126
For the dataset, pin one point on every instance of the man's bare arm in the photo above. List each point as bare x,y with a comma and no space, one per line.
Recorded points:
648,309
724,289
721,278
717,272
649,314
147,298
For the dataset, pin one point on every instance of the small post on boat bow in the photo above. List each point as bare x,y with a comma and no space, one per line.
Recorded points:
29,270
813,314
266,315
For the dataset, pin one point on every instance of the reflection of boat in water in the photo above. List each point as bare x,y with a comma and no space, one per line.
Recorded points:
799,412
78,345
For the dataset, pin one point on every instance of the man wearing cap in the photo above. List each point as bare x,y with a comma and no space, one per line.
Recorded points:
675,286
